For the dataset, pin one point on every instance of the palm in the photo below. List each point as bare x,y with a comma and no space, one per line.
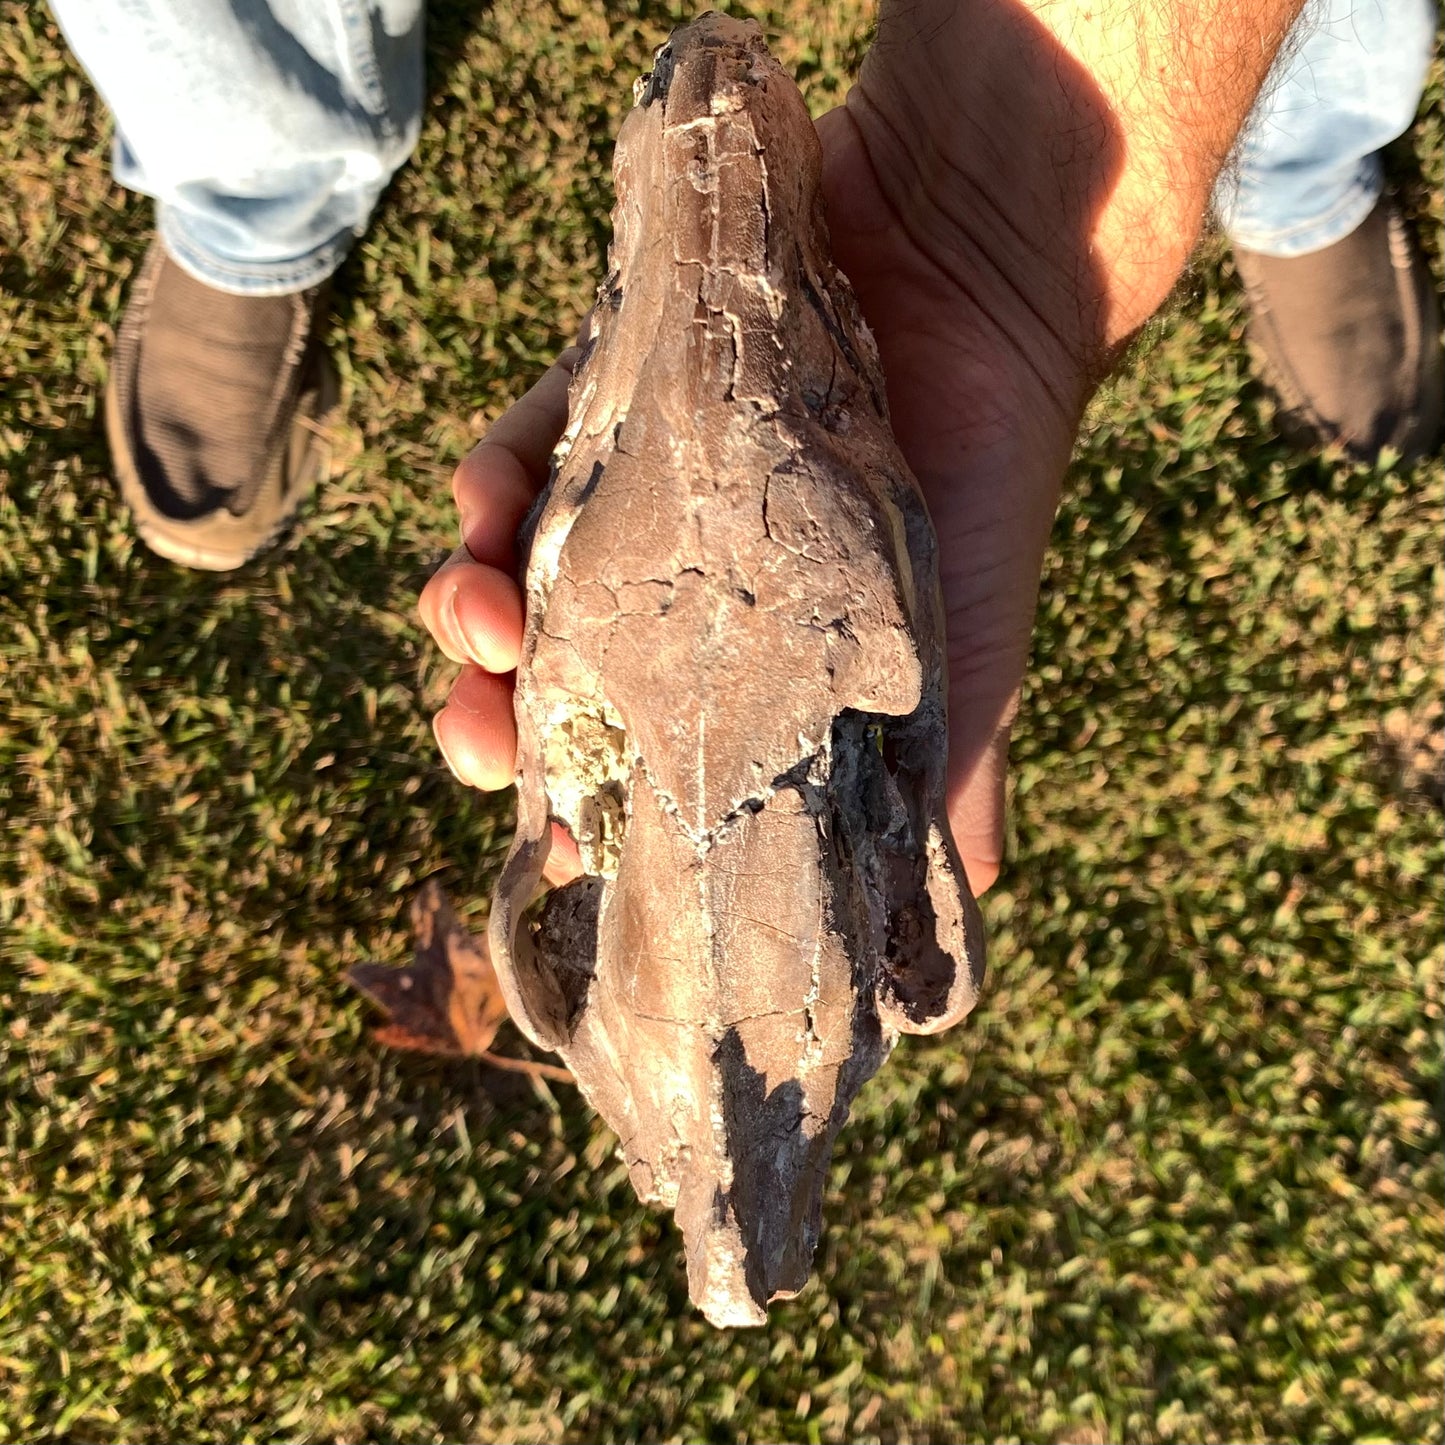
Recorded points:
988,445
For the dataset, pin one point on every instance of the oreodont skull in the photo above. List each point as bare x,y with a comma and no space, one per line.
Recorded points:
731,692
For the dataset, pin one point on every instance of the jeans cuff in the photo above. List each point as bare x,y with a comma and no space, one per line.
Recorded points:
1303,237
269,278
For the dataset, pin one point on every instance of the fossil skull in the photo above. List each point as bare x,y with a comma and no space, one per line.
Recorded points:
731,692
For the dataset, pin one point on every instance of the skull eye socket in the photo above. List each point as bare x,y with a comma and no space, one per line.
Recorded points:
562,927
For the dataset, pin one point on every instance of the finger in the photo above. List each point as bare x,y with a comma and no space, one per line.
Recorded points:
976,810
985,674
477,730
564,863
499,478
474,612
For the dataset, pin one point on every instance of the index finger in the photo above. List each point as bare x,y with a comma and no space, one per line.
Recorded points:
498,480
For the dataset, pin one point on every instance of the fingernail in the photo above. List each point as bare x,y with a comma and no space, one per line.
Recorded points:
452,626
436,729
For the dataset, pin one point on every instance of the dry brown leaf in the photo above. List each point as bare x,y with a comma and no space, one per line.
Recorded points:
448,1000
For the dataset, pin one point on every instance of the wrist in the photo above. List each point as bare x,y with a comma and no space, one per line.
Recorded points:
1058,157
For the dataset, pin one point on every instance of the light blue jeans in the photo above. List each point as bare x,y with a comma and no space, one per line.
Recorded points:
1348,81
266,130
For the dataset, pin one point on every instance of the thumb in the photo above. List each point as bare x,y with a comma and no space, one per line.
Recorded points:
976,812
989,604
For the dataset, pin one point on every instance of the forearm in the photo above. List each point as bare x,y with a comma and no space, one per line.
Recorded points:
1063,150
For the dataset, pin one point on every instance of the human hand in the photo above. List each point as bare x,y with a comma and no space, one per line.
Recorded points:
985,402
988,449
472,605
1013,189
959,434
1012,192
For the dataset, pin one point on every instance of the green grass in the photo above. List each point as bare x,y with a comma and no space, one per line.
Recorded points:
1179,1177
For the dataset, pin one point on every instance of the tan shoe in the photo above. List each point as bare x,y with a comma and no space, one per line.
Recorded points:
1348,338
215,412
